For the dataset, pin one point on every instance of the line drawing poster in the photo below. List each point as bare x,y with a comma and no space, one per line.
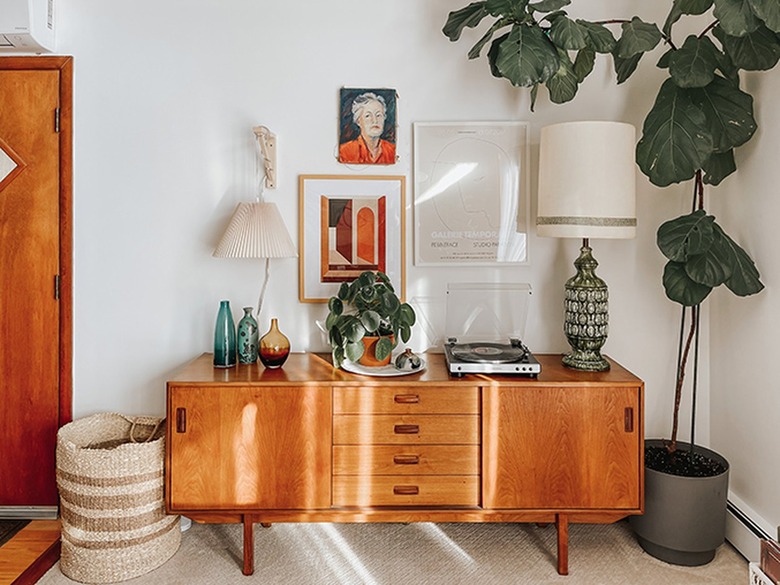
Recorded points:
470,193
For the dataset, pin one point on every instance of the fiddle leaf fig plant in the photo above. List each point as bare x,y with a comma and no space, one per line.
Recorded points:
367,306
699,117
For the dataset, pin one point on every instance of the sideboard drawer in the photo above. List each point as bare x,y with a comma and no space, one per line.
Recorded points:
405,490
406,400
445,429
406,460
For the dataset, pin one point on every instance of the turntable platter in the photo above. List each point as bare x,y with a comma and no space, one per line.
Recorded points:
487,353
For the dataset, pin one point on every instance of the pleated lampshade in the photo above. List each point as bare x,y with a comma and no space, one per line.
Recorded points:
256,230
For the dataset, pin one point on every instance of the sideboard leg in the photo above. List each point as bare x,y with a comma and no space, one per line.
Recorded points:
249,545
562,526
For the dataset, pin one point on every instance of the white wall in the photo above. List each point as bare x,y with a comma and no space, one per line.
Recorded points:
744,341
166,95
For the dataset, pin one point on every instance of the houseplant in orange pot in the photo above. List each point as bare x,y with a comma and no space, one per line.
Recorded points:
700,116
366,320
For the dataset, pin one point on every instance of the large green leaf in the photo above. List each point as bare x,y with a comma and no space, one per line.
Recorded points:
370,320
745,279
383,348
736,17
694,64
600,38
567,34
505,7
638,37
583,64
674,15
563,85
625,67
694,6
681,288
729,113
354,351
756,51
713,267
477,48
526,56
719,166
686,236
676,140
470,16
727,68
549,5
407,315
768,11
680,7
493,54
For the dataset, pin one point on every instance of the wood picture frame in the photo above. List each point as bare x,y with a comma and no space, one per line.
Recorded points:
349,224
471,202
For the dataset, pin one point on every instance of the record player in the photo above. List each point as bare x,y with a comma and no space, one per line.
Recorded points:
485,323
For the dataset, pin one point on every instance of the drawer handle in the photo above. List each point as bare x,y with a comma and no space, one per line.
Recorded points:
181,420
407,398
406,459
628,419
406,429
406,490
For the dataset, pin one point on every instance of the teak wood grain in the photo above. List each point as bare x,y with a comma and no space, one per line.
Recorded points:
383,429
406,459
591,452
406,400
245,448
35,249
406,490
312,443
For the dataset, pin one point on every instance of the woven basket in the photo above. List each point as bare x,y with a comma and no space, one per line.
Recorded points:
110,479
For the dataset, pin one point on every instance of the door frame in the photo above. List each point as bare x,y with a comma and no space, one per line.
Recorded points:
64,66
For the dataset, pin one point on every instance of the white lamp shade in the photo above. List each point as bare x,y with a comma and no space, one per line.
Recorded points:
256,230
587,180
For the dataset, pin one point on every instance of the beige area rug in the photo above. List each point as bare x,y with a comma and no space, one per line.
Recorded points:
435,554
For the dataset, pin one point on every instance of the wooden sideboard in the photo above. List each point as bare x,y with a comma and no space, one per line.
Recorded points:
310,443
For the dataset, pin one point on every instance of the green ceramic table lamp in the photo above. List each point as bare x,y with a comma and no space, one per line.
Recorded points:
587,189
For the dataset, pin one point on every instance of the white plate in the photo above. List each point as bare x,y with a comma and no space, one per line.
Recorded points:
383,371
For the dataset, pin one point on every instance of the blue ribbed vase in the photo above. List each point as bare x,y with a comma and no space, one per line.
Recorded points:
224,337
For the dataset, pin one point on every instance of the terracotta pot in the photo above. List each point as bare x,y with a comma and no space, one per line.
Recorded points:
369,355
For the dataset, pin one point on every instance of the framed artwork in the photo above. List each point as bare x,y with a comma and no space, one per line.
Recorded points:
348,225
471,203
367,126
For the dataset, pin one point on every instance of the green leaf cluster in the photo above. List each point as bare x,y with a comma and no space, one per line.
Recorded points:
700,114
367,306
537,43
702,256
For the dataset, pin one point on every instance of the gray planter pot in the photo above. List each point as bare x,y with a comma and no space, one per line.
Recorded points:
685,517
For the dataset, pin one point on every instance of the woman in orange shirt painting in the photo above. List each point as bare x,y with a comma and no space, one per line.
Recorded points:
369,113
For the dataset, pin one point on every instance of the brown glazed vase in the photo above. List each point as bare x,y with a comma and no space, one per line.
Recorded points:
274,347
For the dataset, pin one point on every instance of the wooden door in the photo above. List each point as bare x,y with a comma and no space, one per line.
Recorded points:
560,448
234,448
35,278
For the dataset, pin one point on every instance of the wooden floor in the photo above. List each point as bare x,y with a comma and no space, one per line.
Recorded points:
30,553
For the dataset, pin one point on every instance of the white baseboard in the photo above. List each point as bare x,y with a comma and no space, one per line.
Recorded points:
745,528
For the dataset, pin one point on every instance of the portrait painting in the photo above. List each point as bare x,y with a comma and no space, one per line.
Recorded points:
349,225
367,126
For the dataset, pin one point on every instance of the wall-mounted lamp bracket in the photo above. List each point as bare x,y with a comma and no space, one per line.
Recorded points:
267,141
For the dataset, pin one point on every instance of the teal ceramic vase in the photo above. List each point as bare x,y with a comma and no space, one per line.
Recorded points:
224,337
247,338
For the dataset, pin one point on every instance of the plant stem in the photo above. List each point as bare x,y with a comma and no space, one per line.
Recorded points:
672,446
695,385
